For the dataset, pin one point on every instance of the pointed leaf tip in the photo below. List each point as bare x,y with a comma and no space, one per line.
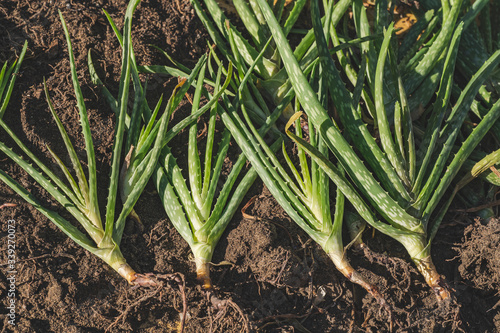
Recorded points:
292,120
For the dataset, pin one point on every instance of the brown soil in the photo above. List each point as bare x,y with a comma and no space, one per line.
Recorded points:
277,275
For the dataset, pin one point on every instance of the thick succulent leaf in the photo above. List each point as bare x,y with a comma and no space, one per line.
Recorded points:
265,68
266,171
357,130
348,190
84,121
417,35
147,168
110,238
172,205
77,167
431,135
77,197
213,175
251,23
386,137
194,163
413,79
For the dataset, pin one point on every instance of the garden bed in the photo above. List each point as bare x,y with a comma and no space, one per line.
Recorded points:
274,278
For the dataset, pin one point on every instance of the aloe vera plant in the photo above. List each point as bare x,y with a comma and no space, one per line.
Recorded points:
392,192
399,165
80,198
190,208
198,210
305,197
276,83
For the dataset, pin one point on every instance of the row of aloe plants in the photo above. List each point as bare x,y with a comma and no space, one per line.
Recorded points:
402,179
392,164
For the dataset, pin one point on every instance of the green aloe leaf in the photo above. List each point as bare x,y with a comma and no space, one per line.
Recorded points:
87,135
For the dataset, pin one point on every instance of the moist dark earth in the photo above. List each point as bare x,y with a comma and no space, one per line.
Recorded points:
268,275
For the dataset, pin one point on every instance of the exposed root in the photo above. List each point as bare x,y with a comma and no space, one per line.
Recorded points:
357,278
222,305
124,313
138,280
352,275
444,293
425,266
145,280
481,207
245,207
181,284
8,205
158,282
127,272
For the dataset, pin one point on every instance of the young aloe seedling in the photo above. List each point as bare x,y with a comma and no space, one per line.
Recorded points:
80,198
197,211
190,209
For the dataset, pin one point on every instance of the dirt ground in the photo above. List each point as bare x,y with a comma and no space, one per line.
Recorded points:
272,277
